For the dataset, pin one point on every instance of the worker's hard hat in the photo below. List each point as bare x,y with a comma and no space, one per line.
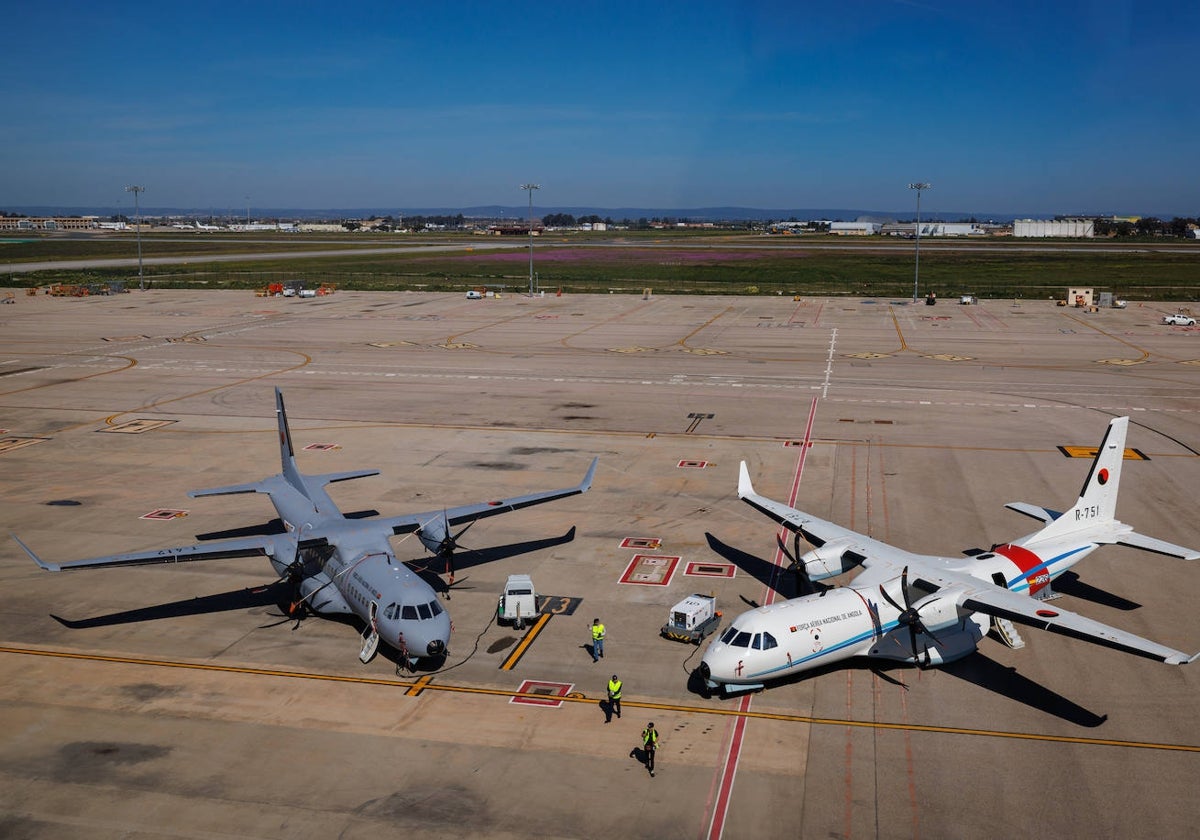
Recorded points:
650,724
614,676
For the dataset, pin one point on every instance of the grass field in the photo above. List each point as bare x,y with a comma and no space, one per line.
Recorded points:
718,263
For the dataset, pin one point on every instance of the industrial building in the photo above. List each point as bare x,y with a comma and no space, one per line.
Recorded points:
1045,228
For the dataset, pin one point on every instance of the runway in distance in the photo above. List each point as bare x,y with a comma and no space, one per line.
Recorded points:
343,565
927,610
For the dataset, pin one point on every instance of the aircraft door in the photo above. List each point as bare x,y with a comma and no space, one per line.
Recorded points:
370,641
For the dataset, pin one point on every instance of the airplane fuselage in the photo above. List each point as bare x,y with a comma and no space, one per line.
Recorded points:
361,576
800,634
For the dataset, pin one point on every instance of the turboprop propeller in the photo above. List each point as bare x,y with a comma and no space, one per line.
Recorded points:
910,616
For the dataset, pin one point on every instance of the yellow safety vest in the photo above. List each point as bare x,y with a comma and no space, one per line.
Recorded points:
597,632
650,738
614,689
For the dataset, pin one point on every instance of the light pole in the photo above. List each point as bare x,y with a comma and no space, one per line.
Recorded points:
529,188
920,185
137,216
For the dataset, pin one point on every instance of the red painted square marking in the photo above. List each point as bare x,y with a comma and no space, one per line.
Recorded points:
321,447
725,570
650,570
164,513
553,691
641,542
698,465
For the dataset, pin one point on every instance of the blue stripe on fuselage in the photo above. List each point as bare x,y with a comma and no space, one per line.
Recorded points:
861,637
1021,582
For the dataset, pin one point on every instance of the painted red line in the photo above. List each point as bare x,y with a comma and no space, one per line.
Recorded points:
769,595
716,827
728,771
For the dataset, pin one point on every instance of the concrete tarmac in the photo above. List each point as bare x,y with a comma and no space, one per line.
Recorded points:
179,701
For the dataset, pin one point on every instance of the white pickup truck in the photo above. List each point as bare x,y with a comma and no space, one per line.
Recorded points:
1179,320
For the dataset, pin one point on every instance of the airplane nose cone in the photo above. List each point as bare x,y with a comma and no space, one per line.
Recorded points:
705,672
436,648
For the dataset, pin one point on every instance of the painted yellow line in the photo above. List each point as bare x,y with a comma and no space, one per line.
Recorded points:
419,686
520,649
425,683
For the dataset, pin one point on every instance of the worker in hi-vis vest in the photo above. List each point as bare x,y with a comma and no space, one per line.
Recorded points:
597,640
614,696
650,745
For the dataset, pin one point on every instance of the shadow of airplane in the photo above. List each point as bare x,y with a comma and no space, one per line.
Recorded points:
431,568
272,594
1004,680
785,584
976,669
1069,583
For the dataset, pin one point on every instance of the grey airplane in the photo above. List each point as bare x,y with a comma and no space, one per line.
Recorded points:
342,565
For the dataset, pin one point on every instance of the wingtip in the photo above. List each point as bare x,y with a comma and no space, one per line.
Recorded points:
745,487
586,484
49,567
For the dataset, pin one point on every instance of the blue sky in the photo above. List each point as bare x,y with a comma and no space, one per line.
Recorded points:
1061,106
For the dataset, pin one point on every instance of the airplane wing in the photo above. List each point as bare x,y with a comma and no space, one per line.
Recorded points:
245,547
834,544
408,523
816,531
1002,603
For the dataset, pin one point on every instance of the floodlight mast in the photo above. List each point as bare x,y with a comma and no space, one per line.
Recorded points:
529,188
918,186
137,216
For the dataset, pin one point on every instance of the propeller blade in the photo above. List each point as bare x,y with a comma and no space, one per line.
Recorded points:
888,598
783,547
904,588
466,528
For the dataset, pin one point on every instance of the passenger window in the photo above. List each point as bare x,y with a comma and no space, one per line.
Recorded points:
409,612
435,607
741,640
424,610
727,636
768,641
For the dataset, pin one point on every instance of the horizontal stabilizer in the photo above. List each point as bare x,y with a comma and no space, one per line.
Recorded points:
1039,513
1134,540
330,478
232,489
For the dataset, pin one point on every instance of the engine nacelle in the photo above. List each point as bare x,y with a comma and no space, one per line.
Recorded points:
829,560
322,596
432,534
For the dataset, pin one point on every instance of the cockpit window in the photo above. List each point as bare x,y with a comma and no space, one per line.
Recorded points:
741,640
423,609
409,612
392,611
768,641
756,642
728,635
435,607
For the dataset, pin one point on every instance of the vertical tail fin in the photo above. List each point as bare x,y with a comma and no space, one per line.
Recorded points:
287,455
1097,503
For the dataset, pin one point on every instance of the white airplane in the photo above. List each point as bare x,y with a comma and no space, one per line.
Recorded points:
927,610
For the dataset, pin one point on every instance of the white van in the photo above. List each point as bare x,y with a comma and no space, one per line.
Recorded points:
518,604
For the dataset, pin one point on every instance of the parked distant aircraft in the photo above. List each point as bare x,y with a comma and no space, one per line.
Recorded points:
928,610
344,565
